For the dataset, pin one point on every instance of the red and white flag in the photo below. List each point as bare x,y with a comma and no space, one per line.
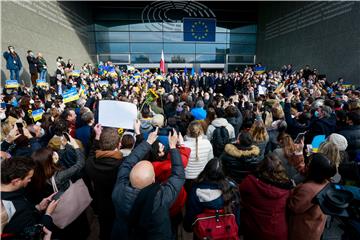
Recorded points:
162,62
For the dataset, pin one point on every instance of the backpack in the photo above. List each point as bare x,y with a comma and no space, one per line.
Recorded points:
219,139
215,225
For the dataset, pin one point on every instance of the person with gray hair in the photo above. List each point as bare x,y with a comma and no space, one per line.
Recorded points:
323,123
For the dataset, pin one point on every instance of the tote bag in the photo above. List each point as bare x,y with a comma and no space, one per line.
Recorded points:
71,203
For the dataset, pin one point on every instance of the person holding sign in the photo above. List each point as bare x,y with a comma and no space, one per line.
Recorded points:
13,63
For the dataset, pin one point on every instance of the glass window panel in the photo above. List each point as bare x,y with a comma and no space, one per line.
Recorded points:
221,29
112,36
245,29
115,58
118,26
217,48
179,47
173,27
112,47
210,58
147,27
243,38
173,36
146,47
145,58
242,49
241,58
146,37
179,58
220,37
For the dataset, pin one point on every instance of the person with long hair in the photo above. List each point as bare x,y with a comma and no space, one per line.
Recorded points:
201,152
260,136
307,221
263,198
47,166
331,151
292,157
211,190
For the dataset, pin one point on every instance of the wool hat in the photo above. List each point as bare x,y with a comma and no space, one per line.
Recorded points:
339,140
158,120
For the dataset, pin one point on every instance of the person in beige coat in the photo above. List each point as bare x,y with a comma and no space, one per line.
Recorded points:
307,221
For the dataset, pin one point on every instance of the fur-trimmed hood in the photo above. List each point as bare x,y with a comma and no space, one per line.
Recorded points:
239,152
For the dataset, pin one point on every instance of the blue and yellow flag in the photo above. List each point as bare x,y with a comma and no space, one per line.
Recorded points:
71,95
11,84
41,83
260,70
37,114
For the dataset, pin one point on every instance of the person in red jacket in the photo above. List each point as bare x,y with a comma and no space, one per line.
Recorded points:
162,166
263,198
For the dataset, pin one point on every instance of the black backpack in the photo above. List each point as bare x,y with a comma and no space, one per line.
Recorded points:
219,139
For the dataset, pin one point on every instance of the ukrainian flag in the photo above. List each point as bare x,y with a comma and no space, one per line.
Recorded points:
260,70
37,114
11,84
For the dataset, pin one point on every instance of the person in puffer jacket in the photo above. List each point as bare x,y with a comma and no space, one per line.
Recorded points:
212,190
220,121
241,158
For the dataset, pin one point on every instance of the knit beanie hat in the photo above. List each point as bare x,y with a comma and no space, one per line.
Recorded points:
339,140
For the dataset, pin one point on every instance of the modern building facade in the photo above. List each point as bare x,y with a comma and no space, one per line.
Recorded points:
136,32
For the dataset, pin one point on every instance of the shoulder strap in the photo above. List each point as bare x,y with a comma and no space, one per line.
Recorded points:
53,183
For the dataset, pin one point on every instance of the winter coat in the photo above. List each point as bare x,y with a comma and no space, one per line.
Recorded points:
307,221
262,146
352,135
263,213
205,196
236,122
162,173
32,64
12,62
239,161
41,64
220,122
291,171
293,126
84,134
205,154
102,168
124,195
322,126
25,213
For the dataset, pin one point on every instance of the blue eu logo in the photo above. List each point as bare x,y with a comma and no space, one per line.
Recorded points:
196,29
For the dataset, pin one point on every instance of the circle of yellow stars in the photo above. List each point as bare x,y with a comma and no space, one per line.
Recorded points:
196,34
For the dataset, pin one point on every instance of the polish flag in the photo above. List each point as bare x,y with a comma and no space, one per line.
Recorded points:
162,62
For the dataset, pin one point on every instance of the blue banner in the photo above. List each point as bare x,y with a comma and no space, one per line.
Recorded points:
199,29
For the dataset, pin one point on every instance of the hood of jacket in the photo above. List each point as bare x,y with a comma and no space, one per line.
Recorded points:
106,160
209,195
219,122
268,190
241,152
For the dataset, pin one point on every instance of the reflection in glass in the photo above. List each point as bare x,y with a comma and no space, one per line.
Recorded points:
211,48
209,58
145,36
112,36
179,47
146,47
112,47
243,49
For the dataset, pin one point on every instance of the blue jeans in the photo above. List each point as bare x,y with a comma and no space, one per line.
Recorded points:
14,75
43,74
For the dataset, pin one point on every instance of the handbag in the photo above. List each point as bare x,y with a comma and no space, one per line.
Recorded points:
71,203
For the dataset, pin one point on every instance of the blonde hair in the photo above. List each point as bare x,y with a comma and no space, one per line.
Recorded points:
268,119
330,150
277,111
258,132
195,130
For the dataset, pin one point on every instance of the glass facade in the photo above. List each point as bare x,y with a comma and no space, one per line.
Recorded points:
130,41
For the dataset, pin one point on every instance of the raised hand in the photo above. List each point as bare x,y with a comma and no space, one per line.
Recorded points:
153,136
173,139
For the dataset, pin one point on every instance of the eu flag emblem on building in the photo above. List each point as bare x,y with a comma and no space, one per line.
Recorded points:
199,29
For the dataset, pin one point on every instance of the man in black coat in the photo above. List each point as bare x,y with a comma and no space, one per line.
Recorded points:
141,205
32,66
352,134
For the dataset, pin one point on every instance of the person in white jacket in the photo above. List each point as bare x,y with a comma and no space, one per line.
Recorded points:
201,152
220,121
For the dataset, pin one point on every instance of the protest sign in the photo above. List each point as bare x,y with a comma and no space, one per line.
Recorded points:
11,84
37,114
117,114
70,95
41,83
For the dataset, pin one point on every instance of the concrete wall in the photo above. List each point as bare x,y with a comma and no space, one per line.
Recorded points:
325,35
52,28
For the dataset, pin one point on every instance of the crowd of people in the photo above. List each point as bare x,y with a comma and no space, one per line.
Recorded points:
237,146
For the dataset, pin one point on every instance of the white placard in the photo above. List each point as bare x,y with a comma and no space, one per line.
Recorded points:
117,114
